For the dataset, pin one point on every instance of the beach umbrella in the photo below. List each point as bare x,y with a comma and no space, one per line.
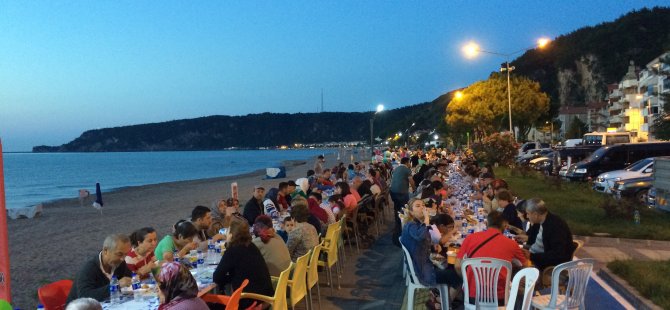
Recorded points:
98,198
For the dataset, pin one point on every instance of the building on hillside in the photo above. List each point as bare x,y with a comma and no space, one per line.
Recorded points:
614,107
598,116
567,115
653,83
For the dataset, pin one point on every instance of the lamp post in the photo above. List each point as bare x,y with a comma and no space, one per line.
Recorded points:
472,49
380,108
551,134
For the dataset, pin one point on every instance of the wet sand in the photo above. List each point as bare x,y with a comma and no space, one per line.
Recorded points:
55,245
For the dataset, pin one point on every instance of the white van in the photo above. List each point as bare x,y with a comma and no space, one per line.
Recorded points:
606,138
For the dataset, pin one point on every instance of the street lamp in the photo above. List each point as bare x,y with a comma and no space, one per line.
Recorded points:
380,108
472,49
551,134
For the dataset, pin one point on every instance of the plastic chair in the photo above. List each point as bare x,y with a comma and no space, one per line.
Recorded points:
579,272
530,276
330,258
340,240
486,274
54,295
232,302
5,305
413,283
547,271
278,301
354,228
298,282
313,274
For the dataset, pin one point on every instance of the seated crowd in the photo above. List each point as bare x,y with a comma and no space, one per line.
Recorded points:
539,237
261,239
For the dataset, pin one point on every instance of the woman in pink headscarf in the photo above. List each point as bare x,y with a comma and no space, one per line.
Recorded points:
177,289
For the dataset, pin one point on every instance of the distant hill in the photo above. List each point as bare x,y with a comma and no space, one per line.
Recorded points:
573,70
254,130
576,67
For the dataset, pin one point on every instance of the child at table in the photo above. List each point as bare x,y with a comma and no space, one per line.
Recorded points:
285,227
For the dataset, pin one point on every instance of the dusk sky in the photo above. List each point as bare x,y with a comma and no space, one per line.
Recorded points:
70,66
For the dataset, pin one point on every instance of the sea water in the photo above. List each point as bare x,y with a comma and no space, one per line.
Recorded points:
32,178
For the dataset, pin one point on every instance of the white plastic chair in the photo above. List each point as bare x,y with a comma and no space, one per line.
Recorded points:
486,274
413,283
530,275
579,272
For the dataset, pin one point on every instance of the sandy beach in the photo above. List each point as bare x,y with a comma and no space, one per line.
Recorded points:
54,246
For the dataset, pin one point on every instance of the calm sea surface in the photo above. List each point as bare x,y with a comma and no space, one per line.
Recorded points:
31,178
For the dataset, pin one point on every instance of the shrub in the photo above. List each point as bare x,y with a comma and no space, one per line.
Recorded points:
496,148
618,208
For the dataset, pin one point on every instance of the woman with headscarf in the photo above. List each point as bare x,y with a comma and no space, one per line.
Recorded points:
177,289
271,245
270,204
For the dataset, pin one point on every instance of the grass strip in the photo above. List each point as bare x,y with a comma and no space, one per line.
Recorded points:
650,278
579,205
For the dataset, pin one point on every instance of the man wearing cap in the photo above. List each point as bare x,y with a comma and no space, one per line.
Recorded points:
254,206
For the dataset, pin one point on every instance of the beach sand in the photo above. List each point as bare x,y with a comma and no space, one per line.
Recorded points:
55,245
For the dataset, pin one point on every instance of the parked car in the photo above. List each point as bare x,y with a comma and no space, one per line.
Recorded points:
661,189
637,189
642,168
530,146
615,157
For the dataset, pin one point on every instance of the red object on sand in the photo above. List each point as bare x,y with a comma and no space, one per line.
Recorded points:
5,290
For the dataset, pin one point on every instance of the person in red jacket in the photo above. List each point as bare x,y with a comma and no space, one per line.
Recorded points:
314,205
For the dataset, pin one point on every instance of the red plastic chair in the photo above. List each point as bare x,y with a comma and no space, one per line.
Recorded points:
232,302
54,295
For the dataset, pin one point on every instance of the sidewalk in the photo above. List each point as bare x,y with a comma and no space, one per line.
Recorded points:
372,279
605,250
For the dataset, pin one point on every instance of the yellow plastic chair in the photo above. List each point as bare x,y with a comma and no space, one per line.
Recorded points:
330,258
313,274
298,281
278,301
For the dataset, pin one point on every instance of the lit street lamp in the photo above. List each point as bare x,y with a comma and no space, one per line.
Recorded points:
472,49
551,135
380,108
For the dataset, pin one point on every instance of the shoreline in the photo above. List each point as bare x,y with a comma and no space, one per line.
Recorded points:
56,244
60,202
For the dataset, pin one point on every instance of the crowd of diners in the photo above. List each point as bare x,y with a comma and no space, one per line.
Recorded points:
262,237
277,226
423,183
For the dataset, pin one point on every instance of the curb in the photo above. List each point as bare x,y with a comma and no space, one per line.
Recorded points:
626,291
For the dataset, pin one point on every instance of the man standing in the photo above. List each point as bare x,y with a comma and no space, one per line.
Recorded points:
549,239
94,277
254,206
490,243
318,165
400,183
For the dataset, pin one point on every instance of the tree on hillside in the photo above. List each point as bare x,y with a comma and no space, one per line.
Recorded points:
483,108
577,129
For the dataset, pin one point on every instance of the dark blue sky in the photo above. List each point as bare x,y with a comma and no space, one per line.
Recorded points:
69,66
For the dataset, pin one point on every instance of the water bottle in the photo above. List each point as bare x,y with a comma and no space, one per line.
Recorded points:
175,256
636,217
40,306
218,247
114,290
135,280
201,260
